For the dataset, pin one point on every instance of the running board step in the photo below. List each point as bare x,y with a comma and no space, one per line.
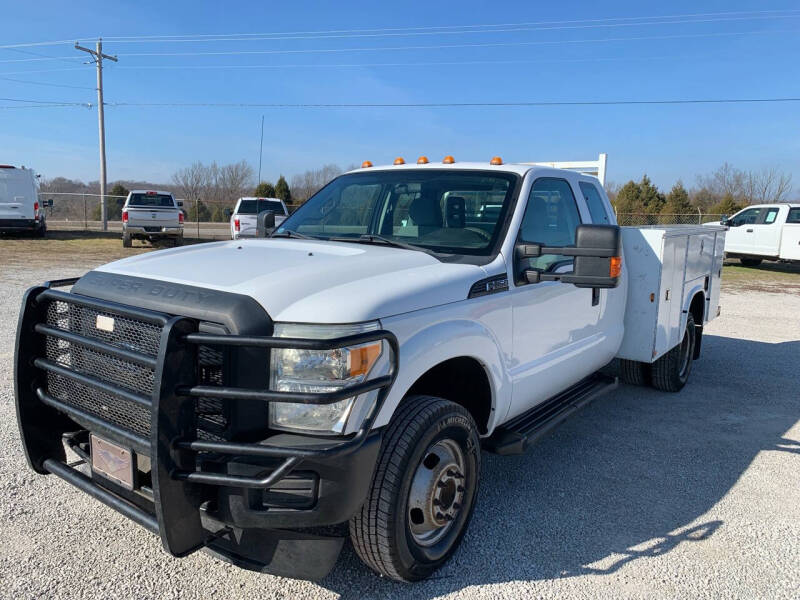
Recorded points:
515,436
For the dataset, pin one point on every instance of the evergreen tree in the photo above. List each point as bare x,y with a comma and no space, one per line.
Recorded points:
282,190
264,190
726,206
677,202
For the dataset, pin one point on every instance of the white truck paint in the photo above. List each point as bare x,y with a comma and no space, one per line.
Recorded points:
244,220
764,232
151,215
20,207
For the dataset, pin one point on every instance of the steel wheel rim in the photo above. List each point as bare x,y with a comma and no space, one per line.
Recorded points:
436,496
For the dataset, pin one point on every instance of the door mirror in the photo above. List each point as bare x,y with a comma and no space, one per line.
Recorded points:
724,220
265,223
228,213
48,203
180,203
598,258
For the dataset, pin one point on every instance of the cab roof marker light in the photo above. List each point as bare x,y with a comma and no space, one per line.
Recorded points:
422,160
399,161
448,160
496,161
366,164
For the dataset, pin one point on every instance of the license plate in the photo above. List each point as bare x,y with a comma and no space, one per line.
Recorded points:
112,461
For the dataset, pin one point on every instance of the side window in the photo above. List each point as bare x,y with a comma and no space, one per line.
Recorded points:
551,218
772,214
595,203
794,215
746,217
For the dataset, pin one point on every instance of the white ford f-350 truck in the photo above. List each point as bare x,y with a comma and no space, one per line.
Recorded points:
253,397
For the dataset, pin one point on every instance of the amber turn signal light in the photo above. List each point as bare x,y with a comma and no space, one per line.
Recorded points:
615,266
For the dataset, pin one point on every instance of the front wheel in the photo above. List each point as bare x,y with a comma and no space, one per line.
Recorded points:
750,262
671,371
423,491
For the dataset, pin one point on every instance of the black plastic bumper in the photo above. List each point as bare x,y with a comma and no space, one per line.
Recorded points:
12,225
223,495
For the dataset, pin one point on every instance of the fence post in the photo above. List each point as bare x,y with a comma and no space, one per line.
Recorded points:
699,216
197,216
85,221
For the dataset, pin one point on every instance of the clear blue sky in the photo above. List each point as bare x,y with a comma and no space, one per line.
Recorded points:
735,55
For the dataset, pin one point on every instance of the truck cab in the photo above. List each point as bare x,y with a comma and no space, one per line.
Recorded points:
764,232
21,211
349,369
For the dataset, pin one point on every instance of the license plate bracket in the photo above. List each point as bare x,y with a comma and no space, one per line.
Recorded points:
113,461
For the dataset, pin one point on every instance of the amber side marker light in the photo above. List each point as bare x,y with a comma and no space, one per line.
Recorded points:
448,160
399,161
615,266
422,160
496,161
366,164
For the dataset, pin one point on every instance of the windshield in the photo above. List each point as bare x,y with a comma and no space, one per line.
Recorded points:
253,207
156,200
447,211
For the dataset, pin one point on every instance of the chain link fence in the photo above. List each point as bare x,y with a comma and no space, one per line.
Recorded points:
641,219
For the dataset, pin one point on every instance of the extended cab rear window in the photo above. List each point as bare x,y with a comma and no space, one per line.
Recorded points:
152,200
794,215
253,207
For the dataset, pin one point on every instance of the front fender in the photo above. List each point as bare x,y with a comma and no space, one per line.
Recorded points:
427,347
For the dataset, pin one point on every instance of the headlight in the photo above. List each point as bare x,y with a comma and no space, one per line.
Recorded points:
319,371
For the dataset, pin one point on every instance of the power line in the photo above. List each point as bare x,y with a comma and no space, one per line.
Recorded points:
778,13
61,85
453,46
452,104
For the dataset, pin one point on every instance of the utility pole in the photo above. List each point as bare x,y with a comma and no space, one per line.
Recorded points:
260,149
98,61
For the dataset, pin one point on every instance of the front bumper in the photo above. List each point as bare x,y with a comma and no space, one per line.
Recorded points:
234,496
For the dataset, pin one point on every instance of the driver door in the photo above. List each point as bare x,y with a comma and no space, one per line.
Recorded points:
556,335
741,233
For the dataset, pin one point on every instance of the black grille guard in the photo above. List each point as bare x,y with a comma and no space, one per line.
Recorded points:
177,484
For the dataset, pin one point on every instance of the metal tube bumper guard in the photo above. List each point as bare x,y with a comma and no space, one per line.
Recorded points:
180,488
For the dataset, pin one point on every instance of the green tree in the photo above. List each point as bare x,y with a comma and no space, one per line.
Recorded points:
282,190
264,190
113,205
218,214
197,211
640,199
726,206
677,202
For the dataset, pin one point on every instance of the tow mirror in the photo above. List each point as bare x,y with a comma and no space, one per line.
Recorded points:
227,212
598,258
180,203
265,222
48,203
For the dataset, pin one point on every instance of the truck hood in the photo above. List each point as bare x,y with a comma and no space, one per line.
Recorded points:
309,281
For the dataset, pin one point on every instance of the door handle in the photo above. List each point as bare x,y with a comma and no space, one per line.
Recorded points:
749,231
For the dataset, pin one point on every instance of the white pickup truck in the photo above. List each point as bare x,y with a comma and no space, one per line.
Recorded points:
153,216
244,218
764,232
249,397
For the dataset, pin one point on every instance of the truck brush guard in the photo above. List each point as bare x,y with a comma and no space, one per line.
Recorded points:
140,378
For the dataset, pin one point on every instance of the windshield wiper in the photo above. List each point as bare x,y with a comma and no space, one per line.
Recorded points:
371,238
288,233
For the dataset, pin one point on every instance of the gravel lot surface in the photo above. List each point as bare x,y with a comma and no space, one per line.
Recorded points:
642,494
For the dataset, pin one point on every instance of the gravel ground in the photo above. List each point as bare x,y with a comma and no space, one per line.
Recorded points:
642,494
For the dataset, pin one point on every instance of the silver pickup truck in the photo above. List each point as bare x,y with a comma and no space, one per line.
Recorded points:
152,216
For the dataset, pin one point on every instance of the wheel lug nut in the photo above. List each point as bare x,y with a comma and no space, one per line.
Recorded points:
448,517
439,516
460,488
436,502
441,484
456,506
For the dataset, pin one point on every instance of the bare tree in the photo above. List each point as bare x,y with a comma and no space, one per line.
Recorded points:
234,180
192,182
768,186
309,183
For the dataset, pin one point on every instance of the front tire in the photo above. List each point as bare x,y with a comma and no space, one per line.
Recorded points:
423,490
750,262
671,371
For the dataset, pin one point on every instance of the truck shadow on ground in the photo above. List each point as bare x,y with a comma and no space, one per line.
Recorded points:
630,476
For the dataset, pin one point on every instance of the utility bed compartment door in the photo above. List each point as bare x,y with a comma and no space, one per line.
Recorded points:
790,242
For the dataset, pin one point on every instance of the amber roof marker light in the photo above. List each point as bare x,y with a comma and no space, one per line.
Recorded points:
366,164
496,161
399,161
448,160
422,160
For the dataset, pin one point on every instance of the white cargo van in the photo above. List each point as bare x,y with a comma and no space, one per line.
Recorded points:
20,208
